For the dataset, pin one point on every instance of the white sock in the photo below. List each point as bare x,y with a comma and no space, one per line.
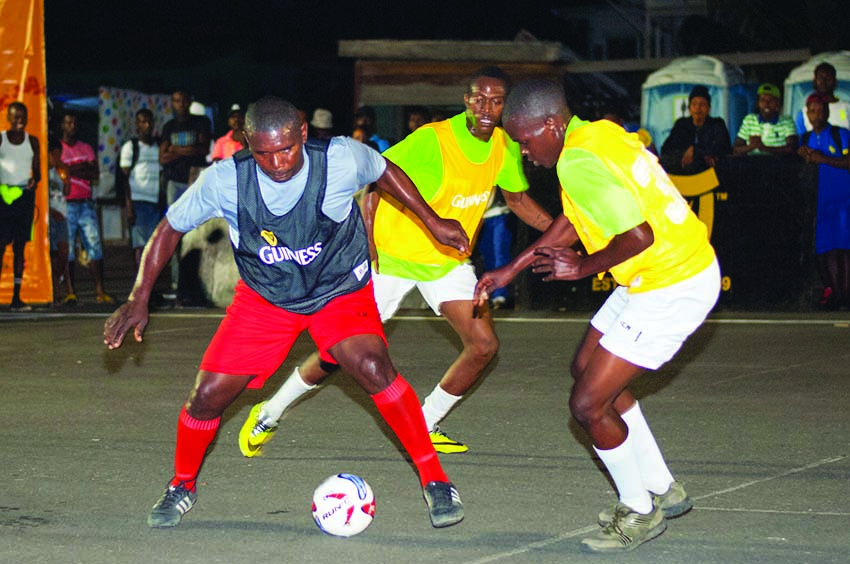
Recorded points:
653,470
623,467
292,389
437,405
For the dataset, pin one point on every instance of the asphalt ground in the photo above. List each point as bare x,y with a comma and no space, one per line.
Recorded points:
751,416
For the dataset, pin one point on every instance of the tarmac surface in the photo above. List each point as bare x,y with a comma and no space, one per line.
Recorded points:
751,415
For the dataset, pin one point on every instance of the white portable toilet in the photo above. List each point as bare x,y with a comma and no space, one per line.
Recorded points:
664,97
798,85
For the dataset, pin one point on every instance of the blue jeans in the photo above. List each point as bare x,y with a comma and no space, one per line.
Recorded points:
494,242
82,218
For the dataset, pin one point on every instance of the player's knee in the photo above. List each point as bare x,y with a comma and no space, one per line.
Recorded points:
374,367
485,347
584,409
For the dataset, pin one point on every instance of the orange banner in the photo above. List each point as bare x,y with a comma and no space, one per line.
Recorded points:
22,79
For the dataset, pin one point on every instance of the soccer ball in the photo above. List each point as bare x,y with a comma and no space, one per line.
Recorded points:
343,505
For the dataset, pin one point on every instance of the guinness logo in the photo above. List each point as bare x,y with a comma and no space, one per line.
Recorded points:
270,237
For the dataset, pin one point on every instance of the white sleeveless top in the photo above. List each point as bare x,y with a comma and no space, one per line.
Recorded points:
15,161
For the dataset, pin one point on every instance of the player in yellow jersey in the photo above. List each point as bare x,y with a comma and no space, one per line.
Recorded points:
632,222
456,164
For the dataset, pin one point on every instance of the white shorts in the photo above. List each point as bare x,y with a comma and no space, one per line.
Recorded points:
648,328
459,284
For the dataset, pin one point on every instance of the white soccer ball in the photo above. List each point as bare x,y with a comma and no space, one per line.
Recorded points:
343,505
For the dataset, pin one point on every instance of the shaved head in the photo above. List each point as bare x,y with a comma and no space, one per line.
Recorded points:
271,114
534,100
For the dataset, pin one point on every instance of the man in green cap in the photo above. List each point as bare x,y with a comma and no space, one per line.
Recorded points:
767,132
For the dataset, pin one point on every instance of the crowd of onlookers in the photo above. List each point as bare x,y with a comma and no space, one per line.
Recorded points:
155,170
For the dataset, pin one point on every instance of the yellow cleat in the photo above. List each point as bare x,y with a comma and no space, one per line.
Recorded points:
446,445
255,433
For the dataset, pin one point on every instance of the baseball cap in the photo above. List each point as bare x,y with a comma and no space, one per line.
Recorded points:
233,109
322,119
770,89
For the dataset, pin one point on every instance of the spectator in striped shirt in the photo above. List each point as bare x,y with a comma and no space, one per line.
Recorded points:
767,132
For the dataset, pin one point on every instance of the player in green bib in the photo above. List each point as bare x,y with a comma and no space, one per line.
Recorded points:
456,165
632,222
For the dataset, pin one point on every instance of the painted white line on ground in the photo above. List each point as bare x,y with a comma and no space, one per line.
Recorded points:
585,530
816,464
772,511
218,314
534,545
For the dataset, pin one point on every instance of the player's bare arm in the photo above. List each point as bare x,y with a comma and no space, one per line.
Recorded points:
134,313
368,205
528,210
561,233
566,264
397,184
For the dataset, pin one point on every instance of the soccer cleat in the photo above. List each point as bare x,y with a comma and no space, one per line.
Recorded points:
255,433
169,510
444,505
19,306
627,530
445,445
675,502
105,299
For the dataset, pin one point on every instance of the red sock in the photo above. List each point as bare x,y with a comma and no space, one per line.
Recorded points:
400,408
193,440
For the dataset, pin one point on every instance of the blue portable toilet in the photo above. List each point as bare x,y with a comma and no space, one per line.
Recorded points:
798,85
664,97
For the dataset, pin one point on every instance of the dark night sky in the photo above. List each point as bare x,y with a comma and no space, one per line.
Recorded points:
306,31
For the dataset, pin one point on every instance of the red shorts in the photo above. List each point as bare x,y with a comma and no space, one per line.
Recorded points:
255,335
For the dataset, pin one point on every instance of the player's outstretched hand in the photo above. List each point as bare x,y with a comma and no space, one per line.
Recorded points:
489,282
557,264
450,232
132,314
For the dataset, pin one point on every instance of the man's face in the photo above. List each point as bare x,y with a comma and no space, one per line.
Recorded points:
484,104
699,108
538,141
824,82
415,121
236,121
180,102
69,127
818,114
768,107
278,153
144,126
17,118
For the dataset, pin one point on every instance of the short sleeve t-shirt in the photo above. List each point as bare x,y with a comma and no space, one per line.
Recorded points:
351,165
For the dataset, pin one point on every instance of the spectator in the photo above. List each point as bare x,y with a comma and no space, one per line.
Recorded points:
365,117
232,141
360,134
139,162
824,82
767,132
59,186
185,145
20,173
417,116
828,146
81,161
322,124
696,142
